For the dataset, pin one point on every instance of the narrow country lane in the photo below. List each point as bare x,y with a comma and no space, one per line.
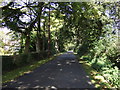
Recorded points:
63,72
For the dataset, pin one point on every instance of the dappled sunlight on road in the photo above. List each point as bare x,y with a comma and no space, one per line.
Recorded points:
63,72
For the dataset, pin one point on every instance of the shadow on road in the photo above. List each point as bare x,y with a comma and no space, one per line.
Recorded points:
63,72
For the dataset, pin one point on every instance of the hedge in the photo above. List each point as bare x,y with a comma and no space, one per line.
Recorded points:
11,62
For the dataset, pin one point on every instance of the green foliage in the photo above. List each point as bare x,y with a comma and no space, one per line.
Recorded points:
7,63
82,50
112,75
88,26
21,60
99,65
102,58
24,59
11,62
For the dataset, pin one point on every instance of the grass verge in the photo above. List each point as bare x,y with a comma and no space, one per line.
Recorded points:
98,80
12,75
95,77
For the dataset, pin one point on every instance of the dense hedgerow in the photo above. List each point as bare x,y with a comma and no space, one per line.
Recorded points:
12,62
104,58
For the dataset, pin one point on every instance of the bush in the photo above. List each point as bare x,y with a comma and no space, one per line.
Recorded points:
82,50
34,57
86,58
12,62
98,66
104,57
24,59
112,75
7,63
21,59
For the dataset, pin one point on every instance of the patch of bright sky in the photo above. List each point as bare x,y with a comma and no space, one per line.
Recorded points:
25,18
4,35
5,2
5,30
107,13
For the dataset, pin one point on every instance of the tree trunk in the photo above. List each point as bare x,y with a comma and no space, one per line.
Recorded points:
39,42
27,43
21,44
49,38
44,37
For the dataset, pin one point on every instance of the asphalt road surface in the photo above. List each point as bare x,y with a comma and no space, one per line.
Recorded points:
62,72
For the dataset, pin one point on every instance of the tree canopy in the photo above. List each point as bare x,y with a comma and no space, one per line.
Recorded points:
88,28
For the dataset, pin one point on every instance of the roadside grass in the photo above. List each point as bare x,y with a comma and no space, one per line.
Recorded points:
12,75
95,77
